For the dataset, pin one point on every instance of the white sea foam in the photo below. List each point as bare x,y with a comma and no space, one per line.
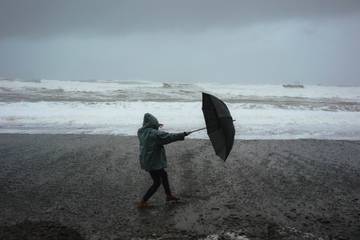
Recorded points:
117,107
126,117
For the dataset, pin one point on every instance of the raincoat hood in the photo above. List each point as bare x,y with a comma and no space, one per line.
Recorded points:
152,152
150,121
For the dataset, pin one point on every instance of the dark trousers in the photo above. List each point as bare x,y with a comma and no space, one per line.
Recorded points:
158,177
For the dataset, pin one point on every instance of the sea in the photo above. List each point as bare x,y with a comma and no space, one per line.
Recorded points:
44,106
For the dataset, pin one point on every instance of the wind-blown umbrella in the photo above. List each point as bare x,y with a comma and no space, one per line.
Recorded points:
219,125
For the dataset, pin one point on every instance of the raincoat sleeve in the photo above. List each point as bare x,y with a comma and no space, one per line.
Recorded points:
163,138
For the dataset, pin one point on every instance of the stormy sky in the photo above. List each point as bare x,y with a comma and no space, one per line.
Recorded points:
241,41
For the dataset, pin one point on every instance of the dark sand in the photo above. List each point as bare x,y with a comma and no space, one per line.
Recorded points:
85,187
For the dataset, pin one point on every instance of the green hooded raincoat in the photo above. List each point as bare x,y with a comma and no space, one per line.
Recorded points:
152,141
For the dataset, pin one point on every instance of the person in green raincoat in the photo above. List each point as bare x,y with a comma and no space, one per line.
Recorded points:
153,157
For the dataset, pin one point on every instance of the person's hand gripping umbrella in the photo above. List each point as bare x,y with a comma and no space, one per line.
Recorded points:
219,125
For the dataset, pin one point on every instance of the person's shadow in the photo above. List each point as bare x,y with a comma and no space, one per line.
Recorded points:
41,230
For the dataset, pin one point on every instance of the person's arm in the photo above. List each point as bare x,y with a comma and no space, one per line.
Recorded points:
166,138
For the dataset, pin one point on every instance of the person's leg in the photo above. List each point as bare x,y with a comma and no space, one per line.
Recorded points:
156,177
165,182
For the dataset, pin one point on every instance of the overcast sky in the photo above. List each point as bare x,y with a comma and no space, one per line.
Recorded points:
249,41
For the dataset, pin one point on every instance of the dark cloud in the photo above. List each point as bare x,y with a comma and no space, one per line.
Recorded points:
39,18
252,41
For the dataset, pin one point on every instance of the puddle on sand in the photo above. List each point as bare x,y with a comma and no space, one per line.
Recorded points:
194,219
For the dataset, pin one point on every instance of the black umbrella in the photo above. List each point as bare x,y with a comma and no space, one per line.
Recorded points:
219,125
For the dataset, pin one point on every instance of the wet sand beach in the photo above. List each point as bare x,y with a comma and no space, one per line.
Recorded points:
86,187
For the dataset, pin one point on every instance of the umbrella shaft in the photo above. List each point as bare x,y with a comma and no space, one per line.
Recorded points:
197,130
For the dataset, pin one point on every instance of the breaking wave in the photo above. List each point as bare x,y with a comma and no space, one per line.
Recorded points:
117,107
252,96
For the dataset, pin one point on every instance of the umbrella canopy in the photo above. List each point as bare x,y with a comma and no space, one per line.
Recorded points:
219,125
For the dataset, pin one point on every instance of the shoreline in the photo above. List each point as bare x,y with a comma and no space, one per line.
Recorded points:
346,139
